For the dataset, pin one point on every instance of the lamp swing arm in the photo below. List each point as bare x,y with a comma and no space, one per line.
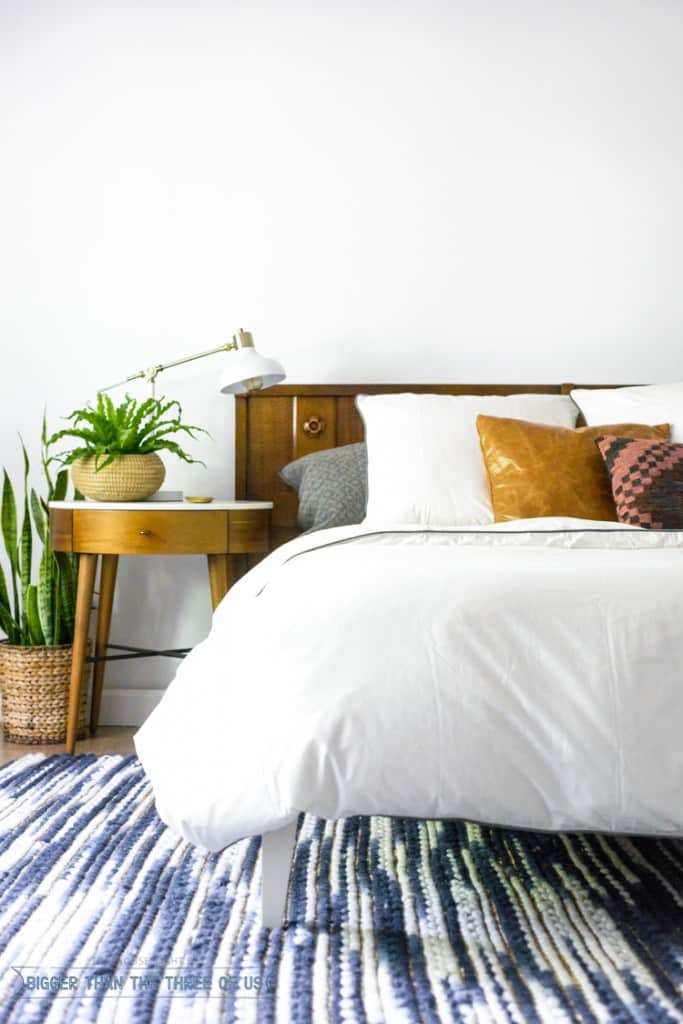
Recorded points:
150,374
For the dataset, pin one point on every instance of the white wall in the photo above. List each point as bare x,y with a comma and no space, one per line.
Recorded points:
482,191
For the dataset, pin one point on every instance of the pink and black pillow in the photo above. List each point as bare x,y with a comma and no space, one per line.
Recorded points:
647,481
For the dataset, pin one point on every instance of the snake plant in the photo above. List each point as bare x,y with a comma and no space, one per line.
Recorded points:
131,428
37,613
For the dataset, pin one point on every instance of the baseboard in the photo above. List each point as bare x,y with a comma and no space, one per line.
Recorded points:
128,707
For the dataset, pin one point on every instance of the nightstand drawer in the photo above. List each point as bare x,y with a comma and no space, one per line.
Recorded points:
150,533
249,532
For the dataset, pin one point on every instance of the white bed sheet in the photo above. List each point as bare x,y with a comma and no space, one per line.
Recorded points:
527,674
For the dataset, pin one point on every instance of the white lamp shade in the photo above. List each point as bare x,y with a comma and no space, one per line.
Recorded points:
246,370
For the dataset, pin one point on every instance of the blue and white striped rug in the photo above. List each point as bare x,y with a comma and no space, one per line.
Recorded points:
106,916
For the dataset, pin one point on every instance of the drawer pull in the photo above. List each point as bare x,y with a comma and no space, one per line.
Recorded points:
144,533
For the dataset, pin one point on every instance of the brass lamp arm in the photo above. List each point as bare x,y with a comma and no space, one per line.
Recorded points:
150,374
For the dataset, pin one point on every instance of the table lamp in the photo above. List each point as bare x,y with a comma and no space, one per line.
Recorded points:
245,370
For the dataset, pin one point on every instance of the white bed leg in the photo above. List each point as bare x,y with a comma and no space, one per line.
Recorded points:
277,849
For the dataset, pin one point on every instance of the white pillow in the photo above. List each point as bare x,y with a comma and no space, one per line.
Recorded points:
651,403
424,460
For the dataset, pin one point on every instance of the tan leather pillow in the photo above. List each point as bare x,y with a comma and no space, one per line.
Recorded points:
535,470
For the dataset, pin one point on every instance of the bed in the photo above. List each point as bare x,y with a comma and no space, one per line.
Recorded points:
525,674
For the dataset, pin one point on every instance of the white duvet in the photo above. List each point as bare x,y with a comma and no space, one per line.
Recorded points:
526,674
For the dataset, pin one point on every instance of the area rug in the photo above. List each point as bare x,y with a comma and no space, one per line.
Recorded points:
106,916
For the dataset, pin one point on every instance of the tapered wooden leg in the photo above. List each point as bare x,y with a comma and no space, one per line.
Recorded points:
87,564
107,584
220,577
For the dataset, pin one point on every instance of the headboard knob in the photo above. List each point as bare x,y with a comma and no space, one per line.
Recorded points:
314,426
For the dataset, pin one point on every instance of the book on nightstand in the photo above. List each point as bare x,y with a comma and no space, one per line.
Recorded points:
165,496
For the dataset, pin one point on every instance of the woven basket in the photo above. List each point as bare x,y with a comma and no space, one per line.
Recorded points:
35,693
127,478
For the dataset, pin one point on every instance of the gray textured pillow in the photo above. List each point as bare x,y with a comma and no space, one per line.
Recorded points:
332,486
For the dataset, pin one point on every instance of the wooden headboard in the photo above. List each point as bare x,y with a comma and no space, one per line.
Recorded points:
282,423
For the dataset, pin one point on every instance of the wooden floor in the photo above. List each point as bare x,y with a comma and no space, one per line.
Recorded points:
109,740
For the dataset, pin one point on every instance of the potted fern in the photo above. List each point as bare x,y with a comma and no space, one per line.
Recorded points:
36,613
117,458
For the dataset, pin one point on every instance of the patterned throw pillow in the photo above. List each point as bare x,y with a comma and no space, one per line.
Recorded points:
647,481
332,486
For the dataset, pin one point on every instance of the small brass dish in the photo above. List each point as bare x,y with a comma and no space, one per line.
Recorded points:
198,499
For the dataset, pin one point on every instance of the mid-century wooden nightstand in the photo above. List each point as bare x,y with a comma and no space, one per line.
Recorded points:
224,531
